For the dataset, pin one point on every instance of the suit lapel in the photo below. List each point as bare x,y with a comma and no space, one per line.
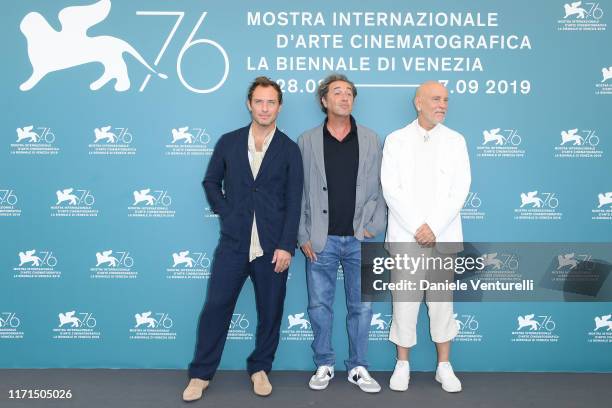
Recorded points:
363,154
243,153
317,152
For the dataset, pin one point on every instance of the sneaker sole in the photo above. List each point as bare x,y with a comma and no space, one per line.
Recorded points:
368,391
322,387
398,389
445,389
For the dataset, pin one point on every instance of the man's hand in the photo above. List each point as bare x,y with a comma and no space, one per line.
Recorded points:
310,254
282,259
367,234
425,236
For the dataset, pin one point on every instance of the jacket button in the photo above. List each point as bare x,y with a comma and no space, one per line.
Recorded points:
324,211
255,189
324,188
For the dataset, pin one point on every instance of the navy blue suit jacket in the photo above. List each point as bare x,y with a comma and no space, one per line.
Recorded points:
275,195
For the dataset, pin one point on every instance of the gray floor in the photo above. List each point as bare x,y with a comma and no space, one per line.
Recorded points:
162,388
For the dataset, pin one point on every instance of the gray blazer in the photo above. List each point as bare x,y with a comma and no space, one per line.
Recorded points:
370,207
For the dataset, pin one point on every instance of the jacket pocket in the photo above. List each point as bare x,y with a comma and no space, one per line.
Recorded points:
230,222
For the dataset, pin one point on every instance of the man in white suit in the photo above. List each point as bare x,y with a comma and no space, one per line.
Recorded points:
426,178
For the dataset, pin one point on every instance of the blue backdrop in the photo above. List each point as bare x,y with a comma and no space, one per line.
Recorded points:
84,172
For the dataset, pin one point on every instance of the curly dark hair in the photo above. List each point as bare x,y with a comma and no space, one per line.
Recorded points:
323,88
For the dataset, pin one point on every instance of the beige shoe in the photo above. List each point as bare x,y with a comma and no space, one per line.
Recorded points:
261,384
194,389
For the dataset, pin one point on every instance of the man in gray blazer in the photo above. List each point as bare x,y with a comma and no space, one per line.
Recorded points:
342,204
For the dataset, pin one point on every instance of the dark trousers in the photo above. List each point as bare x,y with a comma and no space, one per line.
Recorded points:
229,272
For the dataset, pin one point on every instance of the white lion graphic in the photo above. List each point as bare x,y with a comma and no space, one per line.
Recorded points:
378,322
604,199
143,195
69,317
491,259
182,133
493,135
603,321
103,133
298,320
106,257
27,133
50,50
145,318
531,198
527,321
571,136
567,260
574,8
66,195
182,257
606,74
28,256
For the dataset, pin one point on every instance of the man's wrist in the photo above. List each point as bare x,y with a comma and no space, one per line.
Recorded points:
291,251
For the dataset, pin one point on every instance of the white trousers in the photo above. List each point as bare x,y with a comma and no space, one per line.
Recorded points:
442,324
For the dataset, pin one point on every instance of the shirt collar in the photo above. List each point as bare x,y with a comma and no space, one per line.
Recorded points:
266,143
351,133
426,133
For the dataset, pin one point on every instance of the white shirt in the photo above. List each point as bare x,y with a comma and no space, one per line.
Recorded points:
425,155
425,182
255,160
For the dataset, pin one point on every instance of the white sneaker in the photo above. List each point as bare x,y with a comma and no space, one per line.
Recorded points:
401,376
446,376
360,376
321,378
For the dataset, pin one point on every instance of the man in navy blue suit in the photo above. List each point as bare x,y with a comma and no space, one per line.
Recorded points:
254,182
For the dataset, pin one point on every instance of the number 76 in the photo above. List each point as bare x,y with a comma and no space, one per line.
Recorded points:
190,42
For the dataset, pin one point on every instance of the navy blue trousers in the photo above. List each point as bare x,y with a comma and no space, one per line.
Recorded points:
230,270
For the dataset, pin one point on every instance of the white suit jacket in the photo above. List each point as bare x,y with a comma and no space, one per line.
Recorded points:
452,172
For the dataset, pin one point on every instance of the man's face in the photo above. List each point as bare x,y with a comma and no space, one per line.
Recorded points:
264,106
339,99
432,104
